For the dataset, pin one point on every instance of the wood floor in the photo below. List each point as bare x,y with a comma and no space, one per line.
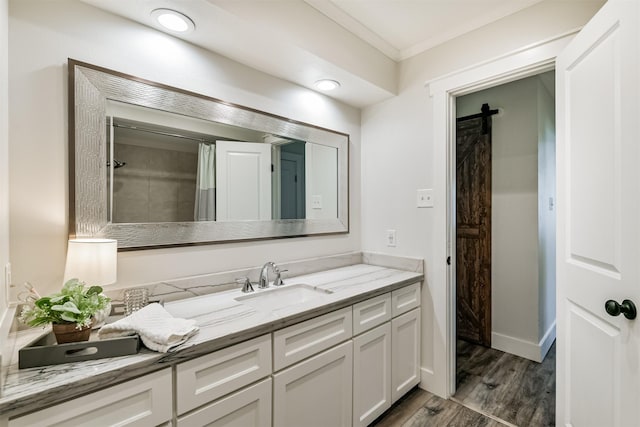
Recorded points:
494,389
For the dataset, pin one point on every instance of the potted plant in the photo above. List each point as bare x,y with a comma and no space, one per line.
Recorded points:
70,311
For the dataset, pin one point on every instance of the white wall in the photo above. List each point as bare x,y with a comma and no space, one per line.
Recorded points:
4,149
398,155
43,35
521,243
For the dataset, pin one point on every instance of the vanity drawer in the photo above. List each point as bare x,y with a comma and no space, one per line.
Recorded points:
371,313
209,377
297,342
143,401
405,299
249,407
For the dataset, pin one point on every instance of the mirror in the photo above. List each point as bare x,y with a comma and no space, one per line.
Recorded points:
155,166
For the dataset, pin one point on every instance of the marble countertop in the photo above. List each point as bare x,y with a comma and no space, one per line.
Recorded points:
223,321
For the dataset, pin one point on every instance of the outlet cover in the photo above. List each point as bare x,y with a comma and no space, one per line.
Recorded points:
316,202
424,198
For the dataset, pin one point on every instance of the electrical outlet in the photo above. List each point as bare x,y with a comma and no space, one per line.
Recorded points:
424,198
391,238
316,202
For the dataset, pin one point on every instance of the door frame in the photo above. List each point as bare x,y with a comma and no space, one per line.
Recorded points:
525,62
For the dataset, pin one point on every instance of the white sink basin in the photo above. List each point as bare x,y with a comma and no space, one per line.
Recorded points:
276,298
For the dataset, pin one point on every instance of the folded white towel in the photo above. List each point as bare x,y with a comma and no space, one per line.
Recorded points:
158,329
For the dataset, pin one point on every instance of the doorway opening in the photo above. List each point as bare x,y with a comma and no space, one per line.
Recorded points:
505,249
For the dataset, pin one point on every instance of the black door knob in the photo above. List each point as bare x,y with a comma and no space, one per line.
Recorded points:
627,308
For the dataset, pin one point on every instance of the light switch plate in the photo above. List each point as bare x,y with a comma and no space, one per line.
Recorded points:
424,198
391,238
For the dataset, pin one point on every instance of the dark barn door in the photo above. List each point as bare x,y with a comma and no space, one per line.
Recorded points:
473,229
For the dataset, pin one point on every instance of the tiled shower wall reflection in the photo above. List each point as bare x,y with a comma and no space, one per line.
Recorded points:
155,185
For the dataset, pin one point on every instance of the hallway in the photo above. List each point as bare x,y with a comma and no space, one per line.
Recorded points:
494,389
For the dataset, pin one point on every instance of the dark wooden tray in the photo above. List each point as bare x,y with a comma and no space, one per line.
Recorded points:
45,351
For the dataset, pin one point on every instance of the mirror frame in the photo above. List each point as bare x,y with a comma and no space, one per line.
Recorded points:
90,87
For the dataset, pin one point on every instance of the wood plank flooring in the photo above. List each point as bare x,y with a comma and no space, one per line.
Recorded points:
494,389
421,408
508,387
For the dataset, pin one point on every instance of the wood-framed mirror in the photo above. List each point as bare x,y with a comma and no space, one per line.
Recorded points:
154,166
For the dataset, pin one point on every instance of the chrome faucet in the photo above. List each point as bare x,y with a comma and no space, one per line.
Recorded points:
263,281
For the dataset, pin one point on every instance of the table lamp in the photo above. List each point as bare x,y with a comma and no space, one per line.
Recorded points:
93,261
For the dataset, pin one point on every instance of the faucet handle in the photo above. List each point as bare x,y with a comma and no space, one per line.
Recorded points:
278,281
246,284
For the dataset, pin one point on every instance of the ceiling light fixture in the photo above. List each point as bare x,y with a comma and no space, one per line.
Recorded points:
173,21
327,85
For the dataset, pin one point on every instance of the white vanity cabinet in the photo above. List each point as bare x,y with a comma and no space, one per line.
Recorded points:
144,401
343,368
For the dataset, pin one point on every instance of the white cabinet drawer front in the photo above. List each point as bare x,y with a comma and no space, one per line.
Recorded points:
209,377
316,392
371,374
297,342
405,353
371,313
405,299
144,401
249,407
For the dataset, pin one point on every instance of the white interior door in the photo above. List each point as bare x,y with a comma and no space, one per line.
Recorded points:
243,181
598,256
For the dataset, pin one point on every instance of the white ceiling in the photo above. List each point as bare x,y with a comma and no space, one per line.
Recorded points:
357,42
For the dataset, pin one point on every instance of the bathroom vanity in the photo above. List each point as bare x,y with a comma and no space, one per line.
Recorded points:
333,348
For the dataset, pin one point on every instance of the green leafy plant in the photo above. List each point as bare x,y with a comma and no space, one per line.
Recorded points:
73,304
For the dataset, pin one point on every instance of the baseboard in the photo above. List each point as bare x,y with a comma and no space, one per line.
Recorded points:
527,349
547,340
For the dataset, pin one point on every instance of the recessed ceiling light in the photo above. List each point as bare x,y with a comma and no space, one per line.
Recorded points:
173,21
326,84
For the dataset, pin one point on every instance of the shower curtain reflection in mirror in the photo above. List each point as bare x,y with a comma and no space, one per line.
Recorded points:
205,202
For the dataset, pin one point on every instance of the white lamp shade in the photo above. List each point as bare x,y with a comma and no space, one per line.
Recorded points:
93,261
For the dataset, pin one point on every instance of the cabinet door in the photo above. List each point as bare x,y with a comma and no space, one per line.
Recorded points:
143,401
250,407
405,355
316,392
371,374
